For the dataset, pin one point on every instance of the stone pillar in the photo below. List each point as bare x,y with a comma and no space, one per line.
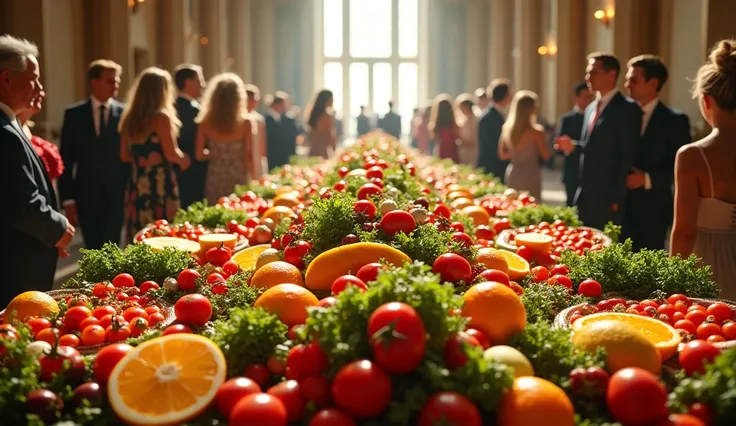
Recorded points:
172,41
263,36
720,15
501,39
240,37
213,42
114,24
311,45
527,39
569,38
477,34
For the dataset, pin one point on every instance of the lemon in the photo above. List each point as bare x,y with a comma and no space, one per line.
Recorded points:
510,357
269,255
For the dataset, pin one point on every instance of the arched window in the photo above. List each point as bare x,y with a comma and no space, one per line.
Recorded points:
369,55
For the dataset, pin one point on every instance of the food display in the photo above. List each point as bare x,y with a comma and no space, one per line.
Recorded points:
373,289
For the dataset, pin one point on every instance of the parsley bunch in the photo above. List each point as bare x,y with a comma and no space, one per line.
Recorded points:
648,273
543,302
533,215
266,192
209,216
328,221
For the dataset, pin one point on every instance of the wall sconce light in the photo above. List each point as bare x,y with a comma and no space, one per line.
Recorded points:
204,41
605,17
549,49
133,5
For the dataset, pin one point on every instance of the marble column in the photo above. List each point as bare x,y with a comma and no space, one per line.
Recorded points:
172,42
213,40
477,35
568,36
720,25
263,35
116,45
527,39
500,39
240,37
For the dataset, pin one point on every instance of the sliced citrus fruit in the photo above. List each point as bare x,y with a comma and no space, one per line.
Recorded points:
518,266
461,203
540,243
160,243
479,214
167,380
247,258
276,213
664,336
207,241
491,258
357,172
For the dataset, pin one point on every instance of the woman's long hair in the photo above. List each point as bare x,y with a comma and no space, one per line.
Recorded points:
522,116
442,115
224,103
152,93
318,107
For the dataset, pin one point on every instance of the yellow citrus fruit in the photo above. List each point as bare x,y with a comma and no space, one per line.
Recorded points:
460,193
494,309
665,338
357,172
160,243
283,190
334,263
455,187
167,380
30,304
518,266
460,203
492,259
278,272
248,257
276,213
287,301
540,243
510,357
479,215
532,401
288,199
625,345
208,241
269,255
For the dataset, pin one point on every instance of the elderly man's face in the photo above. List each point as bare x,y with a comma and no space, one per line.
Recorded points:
22,87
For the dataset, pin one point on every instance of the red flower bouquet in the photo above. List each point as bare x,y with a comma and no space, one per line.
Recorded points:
50,156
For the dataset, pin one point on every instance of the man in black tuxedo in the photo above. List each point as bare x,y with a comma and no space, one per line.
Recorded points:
571,124
282,129
92,187
607,146
649,203
489,128
364,122
391,122
29,218
190,82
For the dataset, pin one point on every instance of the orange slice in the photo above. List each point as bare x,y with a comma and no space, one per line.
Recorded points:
207,241
664,336
479,214
276,213
540,243
167,380
160,243
518,266
247,258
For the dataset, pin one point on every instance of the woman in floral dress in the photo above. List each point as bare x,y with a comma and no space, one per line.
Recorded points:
148,139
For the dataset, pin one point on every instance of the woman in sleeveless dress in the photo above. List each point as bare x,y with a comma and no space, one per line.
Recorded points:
468,130
224,136
443,128
148,140
523,142
705,172
321,136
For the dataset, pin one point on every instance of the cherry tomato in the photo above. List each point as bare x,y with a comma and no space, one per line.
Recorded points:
233,391
307,361
635,396
101,311
697,317
316,389
123,280
64,360
526,253
398,337
107,320
38,324
276,366
590,288
332,417
138,326
455,349
449,408
48,335
149,285
259,409
365,208
93,335
728,330
695,355
453,268
177,329
397,221
327,302
562,280
680,420
344,281
707,329
258,373
677,298
362,389
494,275
295,253
442,210
69,340
117,332
686,325
559,270
155,318
107,358
701,411
720,311
218,255
289,393
230,267
368,190
134,312
369,273
187,278
539,274
485,341
194,309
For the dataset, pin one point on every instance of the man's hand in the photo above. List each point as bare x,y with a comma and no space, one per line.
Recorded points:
70,211
636,179
63,243
185,162
63,253
564,143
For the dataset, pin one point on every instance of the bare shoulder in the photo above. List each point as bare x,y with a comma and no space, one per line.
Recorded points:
689,157
538,128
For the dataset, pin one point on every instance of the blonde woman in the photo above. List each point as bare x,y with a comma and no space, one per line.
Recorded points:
148,139
523,142
468,122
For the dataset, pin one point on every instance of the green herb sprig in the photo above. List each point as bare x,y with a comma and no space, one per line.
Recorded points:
329,221
543,302
210,217
533,215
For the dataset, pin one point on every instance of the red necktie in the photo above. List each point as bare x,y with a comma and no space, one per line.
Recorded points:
591,124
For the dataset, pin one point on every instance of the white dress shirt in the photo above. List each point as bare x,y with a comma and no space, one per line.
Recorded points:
648,109
96,104
603,101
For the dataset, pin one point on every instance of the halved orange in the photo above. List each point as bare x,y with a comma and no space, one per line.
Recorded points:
167,380
540,243
664,336
518,266
276,213
247,258
160,243
207,241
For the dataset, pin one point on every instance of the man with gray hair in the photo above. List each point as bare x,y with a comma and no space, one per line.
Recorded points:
29,215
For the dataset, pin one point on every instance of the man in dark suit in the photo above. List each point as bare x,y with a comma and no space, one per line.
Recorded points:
282,129
391,122
364,122
607,147
571,124
649,203
92,187
190,82
29,218
489,128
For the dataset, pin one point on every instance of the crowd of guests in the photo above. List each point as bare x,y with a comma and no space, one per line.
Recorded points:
180,139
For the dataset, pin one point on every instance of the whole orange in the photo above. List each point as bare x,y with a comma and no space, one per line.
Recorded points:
274,273
496,310
491,258
532,401
30,304
287,301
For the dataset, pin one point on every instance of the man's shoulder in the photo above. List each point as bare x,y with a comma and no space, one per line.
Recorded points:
571,115
78,106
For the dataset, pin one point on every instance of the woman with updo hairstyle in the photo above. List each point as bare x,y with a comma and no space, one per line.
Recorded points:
705,175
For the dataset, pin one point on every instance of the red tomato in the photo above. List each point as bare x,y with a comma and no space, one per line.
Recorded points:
368,190
344,281
123,280
680,420
38,324
517,288
362,389
525,252
138,326
559,270
696,354
230,267
259,409
453,268
369,273
75,315
677,298
155,318
295,253
327,302
716,338
48,335
442,210
449,408
720,311
177,329
485,341
117,332
539,274
398,337
590,288
697,317
636,397
701,411
93,335
365,208
290,395
101,311
463,239
149,285
215,277
707,329
728,330
258,373
685,325
562,280
218,255
194,309
495,275
102,290
455,350
134,312
307,361
187,279
332,417
397,221
316,389
107,358
65,360
233,391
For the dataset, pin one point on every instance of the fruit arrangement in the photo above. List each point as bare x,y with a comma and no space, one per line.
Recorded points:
371,293
544,239
163,229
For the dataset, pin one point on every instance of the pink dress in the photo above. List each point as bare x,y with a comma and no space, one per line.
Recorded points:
447,145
